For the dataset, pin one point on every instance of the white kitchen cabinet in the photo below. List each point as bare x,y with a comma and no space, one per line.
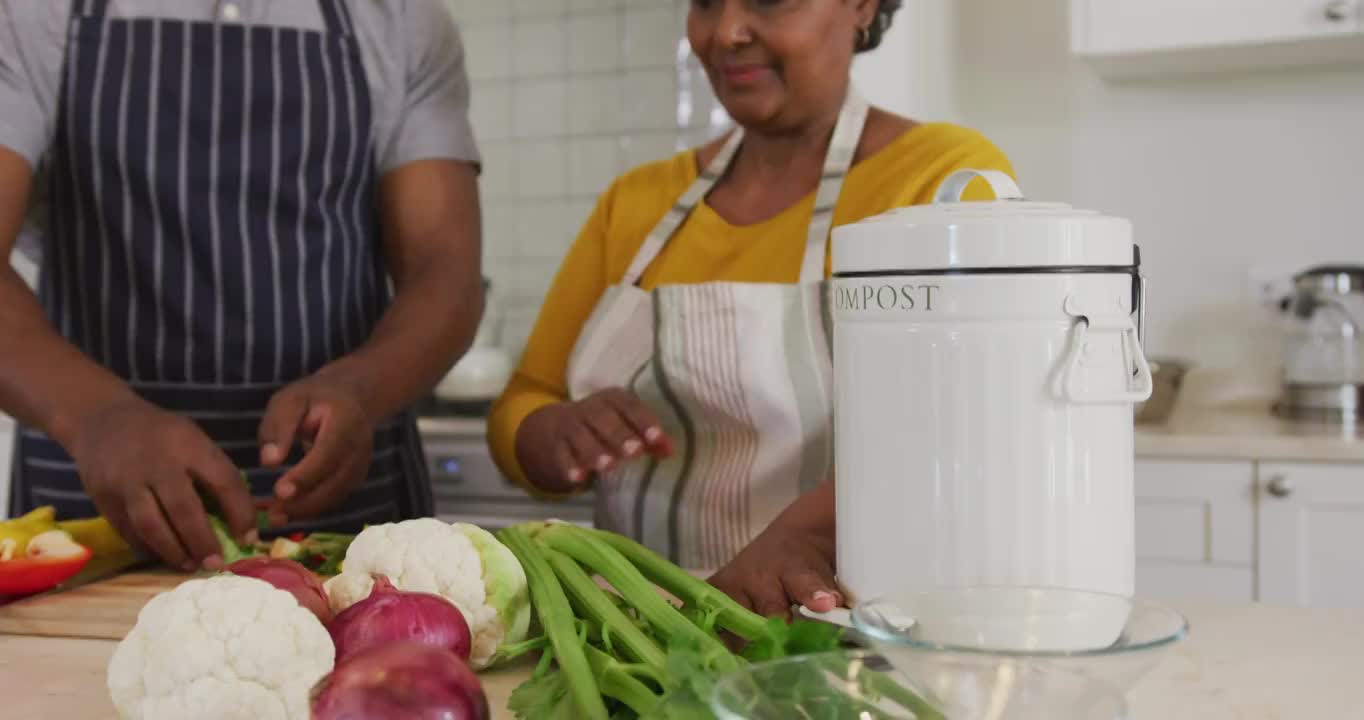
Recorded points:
1195,525
1127,37
1311,538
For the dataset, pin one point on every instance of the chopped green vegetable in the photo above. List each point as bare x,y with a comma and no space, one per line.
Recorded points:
232,551
322,552
556,617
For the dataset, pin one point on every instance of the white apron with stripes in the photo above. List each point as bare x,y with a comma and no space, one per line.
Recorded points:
739,374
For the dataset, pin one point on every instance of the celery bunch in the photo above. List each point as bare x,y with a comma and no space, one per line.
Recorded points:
619,649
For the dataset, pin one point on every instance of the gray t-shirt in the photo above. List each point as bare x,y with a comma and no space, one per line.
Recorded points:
411,49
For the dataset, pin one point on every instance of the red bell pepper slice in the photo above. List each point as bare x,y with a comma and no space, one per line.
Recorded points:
22,576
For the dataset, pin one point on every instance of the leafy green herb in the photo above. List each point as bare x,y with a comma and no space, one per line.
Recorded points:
546,697
801,637
689,683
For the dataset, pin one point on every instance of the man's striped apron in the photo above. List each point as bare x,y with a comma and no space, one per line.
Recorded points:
739,374
213,235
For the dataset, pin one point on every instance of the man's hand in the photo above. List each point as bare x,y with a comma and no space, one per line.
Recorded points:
141,466
325,416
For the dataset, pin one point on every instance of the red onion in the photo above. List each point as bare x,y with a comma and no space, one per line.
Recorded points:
391,615
404,680
289,576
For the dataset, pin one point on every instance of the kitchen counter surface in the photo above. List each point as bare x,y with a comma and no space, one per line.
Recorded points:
1242,662
1219,415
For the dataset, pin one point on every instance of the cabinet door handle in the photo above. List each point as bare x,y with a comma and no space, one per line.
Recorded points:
1339,10
1279,486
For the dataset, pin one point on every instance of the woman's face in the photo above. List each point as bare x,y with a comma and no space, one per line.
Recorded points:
777,64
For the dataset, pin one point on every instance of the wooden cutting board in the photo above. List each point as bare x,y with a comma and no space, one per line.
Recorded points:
104,610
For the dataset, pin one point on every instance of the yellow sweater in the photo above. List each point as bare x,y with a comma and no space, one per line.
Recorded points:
707,248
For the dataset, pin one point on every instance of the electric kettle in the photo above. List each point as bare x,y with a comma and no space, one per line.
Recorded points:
1323,371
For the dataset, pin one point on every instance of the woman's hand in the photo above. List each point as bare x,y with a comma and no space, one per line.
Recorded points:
140,465
783,567
324,415
791,562
561,446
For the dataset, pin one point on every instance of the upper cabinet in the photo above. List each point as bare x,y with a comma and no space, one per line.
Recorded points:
1145,37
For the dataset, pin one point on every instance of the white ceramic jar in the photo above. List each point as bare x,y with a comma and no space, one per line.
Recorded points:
986,366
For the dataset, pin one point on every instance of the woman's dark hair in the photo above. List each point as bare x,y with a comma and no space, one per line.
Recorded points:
885,10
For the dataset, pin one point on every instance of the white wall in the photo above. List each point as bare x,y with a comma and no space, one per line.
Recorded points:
912,73
1219,174
565,97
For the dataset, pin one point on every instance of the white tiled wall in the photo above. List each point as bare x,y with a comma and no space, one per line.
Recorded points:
567,95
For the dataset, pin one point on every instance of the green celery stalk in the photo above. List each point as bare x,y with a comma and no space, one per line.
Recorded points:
556,617
619,681
886,686
588,549
684,586
508,652
599,608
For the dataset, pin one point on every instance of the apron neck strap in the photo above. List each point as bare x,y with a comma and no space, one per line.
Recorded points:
842,147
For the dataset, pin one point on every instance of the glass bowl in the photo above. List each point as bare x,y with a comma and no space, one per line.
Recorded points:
860,685
1116,639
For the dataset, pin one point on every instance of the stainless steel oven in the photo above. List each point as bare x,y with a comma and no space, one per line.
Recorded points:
468,487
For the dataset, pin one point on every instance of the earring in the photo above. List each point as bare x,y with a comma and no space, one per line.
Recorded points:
863,37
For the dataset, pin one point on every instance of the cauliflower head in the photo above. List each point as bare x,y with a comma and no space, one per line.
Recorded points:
220,648
462,563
